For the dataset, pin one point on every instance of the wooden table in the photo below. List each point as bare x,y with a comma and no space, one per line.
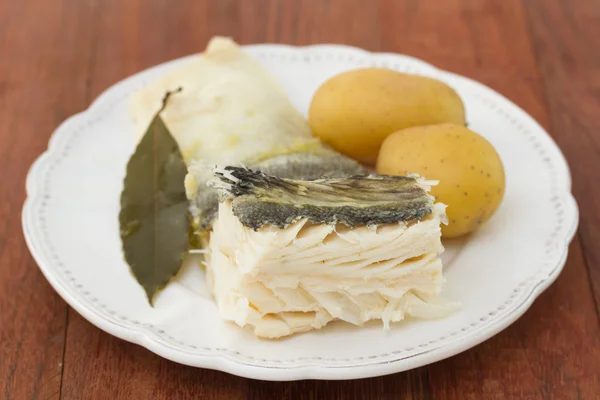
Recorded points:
56,56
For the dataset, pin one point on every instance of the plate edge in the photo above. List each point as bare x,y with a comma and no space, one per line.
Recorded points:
315,371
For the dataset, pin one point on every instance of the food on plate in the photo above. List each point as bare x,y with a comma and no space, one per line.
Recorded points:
288,256
356,110
154,207
230,111
469,170
294,234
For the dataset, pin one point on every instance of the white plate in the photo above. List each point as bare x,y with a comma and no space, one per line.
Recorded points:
70,220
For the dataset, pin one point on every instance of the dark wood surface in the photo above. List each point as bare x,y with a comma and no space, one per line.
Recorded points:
56,56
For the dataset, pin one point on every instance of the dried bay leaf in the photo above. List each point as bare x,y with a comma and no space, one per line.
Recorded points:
153,219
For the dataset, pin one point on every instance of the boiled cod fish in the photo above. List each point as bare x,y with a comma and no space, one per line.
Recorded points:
296,235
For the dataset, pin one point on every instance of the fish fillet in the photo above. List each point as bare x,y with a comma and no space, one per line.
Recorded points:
281,271
308,240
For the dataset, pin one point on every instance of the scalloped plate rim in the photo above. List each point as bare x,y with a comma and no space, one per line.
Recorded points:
224,362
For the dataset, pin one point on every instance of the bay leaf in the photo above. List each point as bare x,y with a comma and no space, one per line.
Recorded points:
153,219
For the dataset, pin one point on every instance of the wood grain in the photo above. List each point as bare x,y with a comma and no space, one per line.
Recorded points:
568,51
39,54
55,57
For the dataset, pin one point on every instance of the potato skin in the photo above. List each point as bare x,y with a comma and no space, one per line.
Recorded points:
468,167
356,110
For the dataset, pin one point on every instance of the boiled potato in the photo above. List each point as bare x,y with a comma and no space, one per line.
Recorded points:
356,110
468,167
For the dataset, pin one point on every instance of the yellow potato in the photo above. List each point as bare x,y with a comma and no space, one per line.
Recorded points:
468,167
356,110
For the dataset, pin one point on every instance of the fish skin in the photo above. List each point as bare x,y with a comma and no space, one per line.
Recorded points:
260,199
299,166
